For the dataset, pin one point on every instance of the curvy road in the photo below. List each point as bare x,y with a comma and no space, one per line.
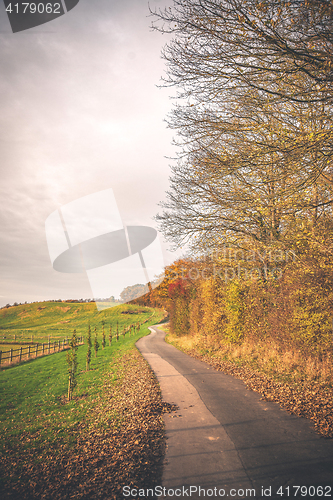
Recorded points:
224,441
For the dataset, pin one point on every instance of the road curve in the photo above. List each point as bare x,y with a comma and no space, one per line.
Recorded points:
225,440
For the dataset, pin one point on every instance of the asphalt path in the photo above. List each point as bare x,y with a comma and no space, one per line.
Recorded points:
224,441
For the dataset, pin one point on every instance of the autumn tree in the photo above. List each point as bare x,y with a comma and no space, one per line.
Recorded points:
246,175
282,48
254,119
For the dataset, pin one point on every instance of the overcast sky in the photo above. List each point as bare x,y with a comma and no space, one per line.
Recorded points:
80,112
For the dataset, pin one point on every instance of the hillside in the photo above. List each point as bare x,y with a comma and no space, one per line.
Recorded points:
58,319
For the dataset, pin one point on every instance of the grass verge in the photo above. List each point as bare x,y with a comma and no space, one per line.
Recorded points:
108,436
303,386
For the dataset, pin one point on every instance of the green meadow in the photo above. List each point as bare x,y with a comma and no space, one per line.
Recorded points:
57,320
34,411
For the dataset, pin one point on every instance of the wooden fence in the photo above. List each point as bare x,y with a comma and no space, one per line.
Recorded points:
33,351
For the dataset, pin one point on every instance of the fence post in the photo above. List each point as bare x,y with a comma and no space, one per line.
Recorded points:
11,355
59,346
36,351
49,345
0,357
43,347
20,355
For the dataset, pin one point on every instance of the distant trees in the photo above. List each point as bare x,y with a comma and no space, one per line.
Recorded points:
254,119
132,292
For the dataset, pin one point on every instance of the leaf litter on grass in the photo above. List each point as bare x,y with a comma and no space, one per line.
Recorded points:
120,443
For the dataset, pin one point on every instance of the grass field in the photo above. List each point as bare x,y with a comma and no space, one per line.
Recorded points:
7,347
33,395
57,320
34,411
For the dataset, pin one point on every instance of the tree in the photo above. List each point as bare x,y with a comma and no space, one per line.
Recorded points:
134,291
256,147
96,343
103,337
283,48
88,358
72,365
246,176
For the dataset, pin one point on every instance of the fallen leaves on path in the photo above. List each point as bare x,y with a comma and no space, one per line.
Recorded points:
305,399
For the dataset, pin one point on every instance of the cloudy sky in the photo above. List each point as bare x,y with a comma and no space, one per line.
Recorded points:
80,112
